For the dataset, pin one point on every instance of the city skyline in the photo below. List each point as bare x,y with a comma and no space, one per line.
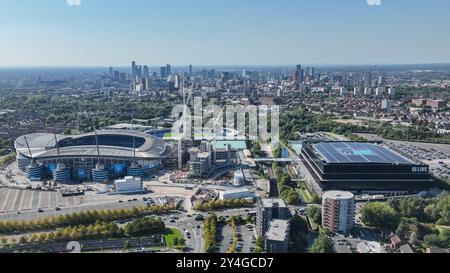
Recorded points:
207,33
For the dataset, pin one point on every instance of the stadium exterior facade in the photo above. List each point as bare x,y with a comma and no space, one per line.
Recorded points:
97,156
364,167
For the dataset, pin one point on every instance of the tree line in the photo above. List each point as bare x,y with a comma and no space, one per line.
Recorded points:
419,221
98,230
80,218
210,233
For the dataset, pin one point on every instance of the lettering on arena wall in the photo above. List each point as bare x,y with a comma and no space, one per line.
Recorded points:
419,169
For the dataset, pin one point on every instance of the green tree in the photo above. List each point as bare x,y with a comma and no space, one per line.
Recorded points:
298,231
260,245
381,216
315,214
323,243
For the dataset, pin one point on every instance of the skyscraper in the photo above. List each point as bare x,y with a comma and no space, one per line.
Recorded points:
139,71
190,70
168,70
177,82
163,72
311,72
133,69
299,73
368,79
111,73
146,72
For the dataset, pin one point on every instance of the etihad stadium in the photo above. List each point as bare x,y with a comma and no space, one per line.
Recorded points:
98,156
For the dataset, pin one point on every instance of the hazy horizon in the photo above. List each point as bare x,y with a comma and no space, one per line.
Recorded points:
103,33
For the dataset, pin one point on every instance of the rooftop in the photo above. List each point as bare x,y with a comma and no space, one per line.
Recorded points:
235,144
358,152
269,203
278,230
43,145
338,195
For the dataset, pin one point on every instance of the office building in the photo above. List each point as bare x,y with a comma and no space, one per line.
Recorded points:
299,73
129,184
338,211
111,73
163,72
146,72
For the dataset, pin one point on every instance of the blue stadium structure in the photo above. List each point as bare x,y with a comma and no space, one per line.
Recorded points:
364,166
78,158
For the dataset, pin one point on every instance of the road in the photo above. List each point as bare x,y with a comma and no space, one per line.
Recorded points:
304,173
34,215
186,222
89,245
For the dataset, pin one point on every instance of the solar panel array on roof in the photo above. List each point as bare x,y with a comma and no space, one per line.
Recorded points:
356,152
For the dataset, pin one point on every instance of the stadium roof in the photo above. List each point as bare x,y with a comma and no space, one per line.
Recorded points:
43,145
358,152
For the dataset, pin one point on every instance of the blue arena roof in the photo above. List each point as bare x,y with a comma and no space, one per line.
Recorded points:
358,152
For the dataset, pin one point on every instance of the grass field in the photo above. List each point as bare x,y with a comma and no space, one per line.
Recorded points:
171,234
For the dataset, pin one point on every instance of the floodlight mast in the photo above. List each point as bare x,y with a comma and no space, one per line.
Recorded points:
28,146
57,148
98,149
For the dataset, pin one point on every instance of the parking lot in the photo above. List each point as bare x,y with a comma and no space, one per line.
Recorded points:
437,156
12,200
247,238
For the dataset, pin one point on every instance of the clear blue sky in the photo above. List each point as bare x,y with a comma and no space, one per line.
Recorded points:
223,32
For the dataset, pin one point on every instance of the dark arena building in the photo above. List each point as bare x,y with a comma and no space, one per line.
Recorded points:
98,156
364,167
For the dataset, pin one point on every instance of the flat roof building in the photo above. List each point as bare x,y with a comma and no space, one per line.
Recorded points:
267,210
128,185
236,194
277,236
364,166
